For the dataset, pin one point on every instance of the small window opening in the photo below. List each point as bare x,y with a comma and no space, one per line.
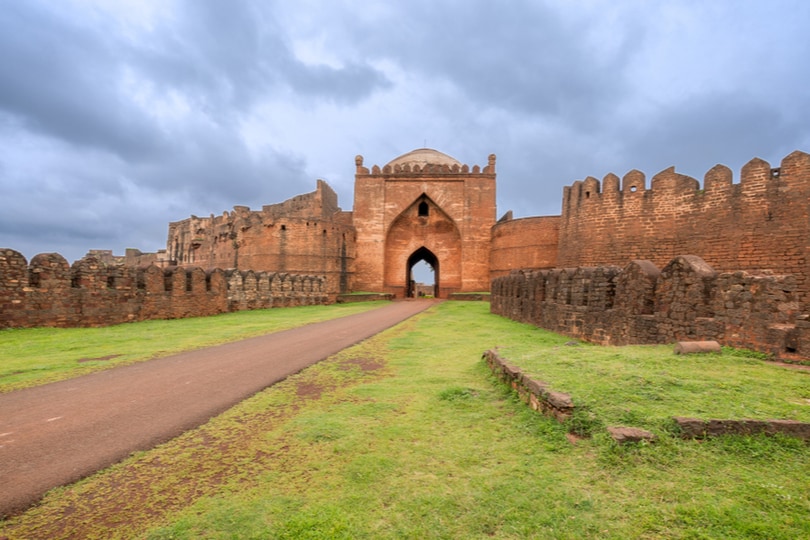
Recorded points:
283,227
633,189
423,209
587,194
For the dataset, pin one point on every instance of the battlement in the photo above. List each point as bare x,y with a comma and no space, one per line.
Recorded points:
415,169
756,176
759,223
49,292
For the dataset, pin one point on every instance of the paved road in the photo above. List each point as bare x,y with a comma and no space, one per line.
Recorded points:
55,434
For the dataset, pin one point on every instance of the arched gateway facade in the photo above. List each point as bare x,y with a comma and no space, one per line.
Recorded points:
423,206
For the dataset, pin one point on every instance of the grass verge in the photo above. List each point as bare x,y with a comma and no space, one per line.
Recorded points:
407,436
32,356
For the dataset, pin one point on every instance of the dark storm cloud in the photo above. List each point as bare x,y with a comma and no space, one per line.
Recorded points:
157,108
63,77
59,79
231,53
697,132
521,56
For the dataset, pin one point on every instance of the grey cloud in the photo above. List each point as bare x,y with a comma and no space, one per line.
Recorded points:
696,133
520,56
233,53
64,79
60,79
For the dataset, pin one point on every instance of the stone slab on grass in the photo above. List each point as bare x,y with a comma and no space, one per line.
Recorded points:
625,435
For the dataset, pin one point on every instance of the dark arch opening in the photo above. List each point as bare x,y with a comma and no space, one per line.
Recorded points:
423,209
421,254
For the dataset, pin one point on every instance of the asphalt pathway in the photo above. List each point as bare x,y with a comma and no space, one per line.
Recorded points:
58,433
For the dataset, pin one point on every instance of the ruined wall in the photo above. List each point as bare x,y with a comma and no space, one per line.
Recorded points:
760,223
526,243
457,229
49,292
307,234
687,300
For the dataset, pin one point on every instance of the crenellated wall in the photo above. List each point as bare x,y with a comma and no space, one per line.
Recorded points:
686,300
760,223
49,292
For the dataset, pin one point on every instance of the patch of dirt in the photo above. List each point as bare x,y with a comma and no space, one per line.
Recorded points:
365,364
99,359
308,390
573,439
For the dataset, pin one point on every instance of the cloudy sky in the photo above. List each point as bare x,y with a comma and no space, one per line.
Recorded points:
118,116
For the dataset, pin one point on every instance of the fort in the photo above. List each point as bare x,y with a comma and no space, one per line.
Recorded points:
624,262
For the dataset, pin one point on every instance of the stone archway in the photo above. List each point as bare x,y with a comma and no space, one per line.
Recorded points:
421,254
423,199
423,232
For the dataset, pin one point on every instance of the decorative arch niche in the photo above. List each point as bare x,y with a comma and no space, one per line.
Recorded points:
423,232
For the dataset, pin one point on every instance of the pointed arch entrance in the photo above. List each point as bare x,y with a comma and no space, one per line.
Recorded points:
423,231
421,254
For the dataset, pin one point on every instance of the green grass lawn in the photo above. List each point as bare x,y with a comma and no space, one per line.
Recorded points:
32,356
645,386
407,435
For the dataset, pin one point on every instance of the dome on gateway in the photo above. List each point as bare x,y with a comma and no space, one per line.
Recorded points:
424,156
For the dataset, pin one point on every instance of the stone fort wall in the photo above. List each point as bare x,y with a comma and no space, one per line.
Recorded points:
525,243
49,292
308,234
759,223
637,304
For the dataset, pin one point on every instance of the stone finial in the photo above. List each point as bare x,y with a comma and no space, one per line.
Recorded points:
490,168
358,161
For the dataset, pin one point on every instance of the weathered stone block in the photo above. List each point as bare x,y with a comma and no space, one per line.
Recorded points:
691,428
624,435
693,347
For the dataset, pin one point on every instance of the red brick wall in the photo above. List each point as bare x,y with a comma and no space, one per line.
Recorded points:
48,292
760,223
527,243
